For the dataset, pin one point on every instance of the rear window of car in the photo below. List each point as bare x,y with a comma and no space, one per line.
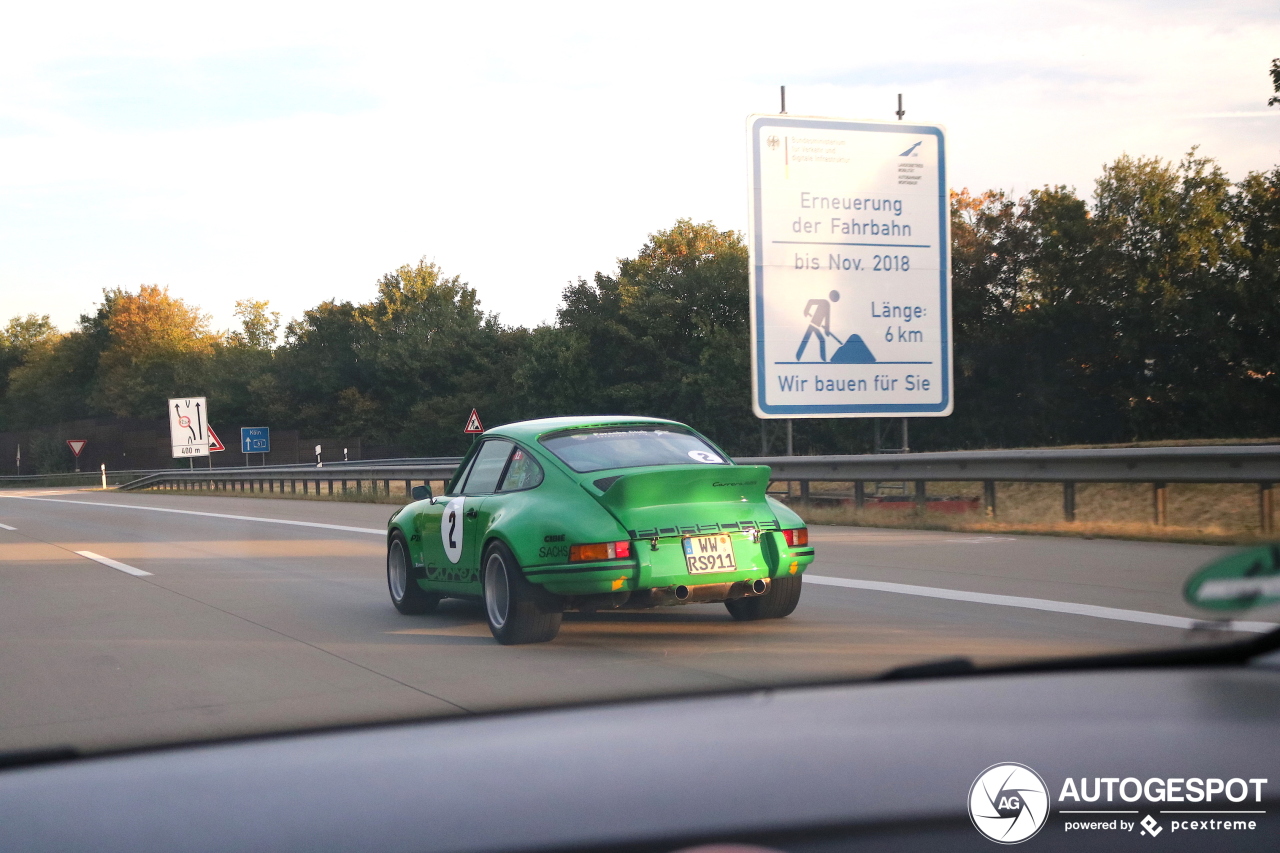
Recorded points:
489,463
522,473
587,450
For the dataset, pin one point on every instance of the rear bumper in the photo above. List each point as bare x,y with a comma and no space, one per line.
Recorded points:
661,565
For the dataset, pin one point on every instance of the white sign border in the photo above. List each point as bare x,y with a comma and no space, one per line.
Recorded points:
199,449
755,270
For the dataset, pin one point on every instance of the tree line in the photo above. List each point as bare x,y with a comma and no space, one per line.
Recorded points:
1147,311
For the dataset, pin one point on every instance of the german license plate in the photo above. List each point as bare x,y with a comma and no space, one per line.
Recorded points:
704,554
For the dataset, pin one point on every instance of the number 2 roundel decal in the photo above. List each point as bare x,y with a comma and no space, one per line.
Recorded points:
451,529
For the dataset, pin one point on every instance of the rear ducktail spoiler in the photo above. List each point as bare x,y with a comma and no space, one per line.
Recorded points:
681,495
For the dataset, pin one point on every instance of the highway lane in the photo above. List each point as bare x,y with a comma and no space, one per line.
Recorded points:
1144,576
249,624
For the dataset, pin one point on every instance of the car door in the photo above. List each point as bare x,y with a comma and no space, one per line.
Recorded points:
437,526
487,508
424,542
463,521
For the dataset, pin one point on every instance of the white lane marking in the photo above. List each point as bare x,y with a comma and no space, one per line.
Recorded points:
878,586
370,530
7,527
1044,604
107,561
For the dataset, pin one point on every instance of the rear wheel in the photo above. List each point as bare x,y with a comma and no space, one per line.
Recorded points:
779,601
402,580
511,603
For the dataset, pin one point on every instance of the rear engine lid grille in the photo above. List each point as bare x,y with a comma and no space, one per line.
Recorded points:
701,529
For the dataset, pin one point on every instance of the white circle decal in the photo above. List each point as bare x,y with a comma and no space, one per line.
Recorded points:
451,529
705,456
1008,803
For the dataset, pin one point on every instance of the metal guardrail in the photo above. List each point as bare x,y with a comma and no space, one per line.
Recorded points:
125,476
1213,464
336,479
381,463
70,477
1159,466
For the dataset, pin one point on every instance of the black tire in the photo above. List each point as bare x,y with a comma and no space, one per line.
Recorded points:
516,610
402,580
779,601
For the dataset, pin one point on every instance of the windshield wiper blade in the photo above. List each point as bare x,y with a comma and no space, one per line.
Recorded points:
1238,652
930,669
42,755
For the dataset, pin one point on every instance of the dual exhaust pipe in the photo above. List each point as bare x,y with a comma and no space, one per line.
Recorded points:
715,591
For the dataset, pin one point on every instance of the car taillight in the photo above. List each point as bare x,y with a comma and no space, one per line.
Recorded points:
797,537
600,551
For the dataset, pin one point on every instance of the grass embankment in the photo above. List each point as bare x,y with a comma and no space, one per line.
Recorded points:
1216,514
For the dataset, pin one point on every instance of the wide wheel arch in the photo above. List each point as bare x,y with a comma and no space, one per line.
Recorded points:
412,598
532,615
548,601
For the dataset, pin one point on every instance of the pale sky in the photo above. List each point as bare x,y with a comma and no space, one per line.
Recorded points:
296,152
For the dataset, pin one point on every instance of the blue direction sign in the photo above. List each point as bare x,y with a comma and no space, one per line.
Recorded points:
255,439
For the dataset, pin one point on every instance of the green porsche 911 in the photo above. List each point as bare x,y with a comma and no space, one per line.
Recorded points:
590,513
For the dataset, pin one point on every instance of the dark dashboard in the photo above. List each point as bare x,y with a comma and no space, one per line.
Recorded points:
864,766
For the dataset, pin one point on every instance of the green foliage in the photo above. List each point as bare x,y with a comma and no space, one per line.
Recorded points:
259,325
1151,311
1151,315
154,347
666,336
53,383
47,454
24,334
1024,338
125,359
22,339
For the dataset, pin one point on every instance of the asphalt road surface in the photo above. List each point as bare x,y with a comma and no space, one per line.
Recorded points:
130,619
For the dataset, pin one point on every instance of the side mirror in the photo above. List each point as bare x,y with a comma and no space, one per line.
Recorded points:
421,493
1240,581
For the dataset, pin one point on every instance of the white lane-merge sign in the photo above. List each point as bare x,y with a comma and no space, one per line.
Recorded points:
850,268
189,426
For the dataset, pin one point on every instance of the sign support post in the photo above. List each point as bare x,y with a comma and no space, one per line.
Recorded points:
906,447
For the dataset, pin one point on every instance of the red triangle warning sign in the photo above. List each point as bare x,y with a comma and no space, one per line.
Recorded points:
76,445
473,423
215,444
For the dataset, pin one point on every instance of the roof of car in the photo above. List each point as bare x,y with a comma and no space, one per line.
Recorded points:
531,430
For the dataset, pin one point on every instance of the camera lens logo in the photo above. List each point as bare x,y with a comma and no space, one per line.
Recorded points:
1008,803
